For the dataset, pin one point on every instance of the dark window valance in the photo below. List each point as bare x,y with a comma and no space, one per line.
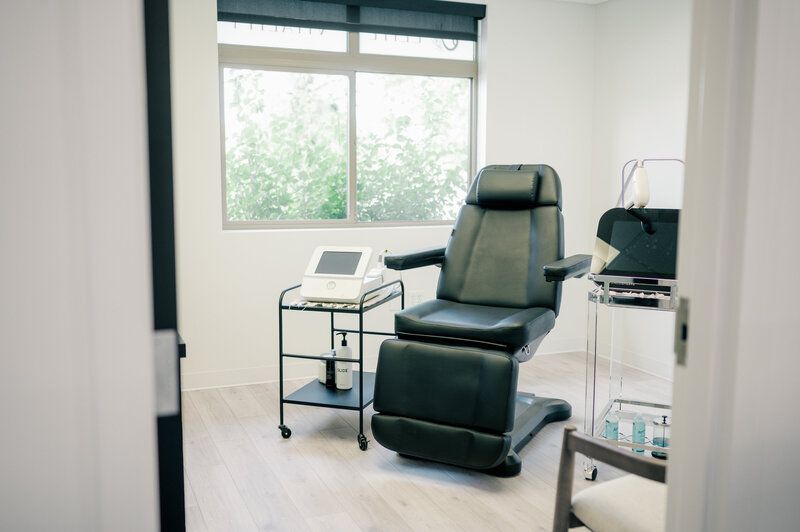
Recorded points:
418,18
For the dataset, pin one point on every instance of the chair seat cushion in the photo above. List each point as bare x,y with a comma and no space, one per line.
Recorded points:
626,504
509,327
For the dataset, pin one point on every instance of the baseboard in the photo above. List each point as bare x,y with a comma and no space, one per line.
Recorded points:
659,367
305,370
553,346
241,376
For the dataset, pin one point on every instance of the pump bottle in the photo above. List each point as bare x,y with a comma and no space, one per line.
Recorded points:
344,370
611,431
638,432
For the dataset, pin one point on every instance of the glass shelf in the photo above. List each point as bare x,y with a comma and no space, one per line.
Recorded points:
604,385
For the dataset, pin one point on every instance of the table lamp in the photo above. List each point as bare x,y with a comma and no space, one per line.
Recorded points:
641,182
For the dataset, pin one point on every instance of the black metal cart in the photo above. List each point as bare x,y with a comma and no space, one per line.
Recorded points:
362,393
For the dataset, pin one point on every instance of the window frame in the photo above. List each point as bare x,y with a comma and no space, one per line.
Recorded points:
347,63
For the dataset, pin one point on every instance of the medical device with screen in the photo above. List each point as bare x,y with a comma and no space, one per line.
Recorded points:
640,243
338,274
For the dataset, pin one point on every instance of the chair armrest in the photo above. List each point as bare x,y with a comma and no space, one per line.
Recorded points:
566,268
414,259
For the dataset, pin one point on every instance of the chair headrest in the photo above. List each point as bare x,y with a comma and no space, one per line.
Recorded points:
515,187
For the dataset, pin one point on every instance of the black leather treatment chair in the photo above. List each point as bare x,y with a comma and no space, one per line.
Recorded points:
446,388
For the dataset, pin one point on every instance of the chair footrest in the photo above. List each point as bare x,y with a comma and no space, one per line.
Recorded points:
465,447
432,441
458,386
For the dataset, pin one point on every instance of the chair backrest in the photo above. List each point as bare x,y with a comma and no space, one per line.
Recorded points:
509,228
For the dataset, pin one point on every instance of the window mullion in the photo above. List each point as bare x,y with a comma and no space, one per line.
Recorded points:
352,150
353,45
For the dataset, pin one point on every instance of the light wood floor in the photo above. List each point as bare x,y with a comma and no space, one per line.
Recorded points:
241,475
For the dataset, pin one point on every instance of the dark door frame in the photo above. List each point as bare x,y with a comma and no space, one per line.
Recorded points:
162,228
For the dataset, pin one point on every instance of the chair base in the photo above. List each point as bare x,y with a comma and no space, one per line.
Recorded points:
532,413
509,467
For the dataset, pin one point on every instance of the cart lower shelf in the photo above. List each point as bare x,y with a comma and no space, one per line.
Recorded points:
316,394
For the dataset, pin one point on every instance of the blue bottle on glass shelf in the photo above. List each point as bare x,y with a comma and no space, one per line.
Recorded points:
611,431
639,428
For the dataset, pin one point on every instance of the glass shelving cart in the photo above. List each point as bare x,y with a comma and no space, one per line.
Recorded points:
614,292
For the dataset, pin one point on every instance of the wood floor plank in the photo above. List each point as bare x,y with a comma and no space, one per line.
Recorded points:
218,499
302,484
367,508
338,522
188,493
217,416
193,425
303,420
241,401
242,475
194,520
262,492
517,505
451,494
416,508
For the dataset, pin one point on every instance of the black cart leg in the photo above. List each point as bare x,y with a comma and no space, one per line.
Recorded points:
285,431
362,440
333,332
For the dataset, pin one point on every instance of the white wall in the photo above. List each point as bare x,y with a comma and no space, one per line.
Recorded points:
641,89
78,447
537,77
734,398
536,83
582,88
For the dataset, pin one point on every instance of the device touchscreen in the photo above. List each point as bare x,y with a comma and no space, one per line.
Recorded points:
338,262
639,242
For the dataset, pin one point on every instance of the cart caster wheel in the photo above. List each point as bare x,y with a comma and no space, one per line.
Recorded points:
362,442
590,474
286,432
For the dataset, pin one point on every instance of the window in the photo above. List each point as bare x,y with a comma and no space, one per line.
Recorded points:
413,146
324,127
281,37
286,145
376,43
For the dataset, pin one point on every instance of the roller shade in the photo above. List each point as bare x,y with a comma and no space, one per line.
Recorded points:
417,18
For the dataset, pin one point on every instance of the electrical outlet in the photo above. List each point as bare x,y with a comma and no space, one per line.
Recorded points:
414,297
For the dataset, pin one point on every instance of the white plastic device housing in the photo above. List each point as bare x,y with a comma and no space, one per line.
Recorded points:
334,288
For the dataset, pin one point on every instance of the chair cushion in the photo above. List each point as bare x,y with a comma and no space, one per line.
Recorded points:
469,387
500,188
458,446
626,504
507,327
515,186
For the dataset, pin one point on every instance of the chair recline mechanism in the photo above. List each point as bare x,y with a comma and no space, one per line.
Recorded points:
446,388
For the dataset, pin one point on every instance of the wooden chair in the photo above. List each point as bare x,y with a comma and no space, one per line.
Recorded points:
632,502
